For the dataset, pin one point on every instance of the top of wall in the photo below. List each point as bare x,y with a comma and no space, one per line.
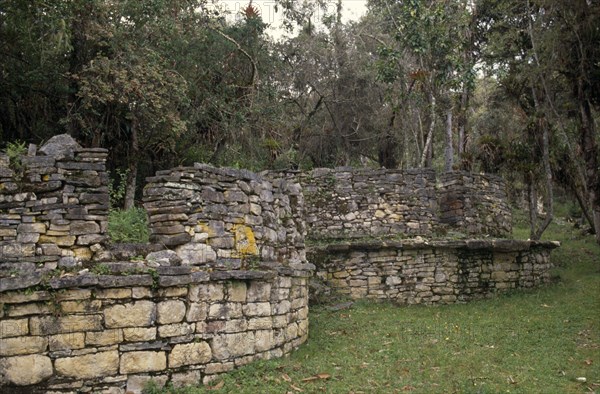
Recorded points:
227,218
357,203
53,205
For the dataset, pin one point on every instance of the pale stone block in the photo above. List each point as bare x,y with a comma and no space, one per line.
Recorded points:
263,340
14,328
137,383
207,292
80,306
104,338
236,291
282,307
215,368
116,294
260,323
137,314
227,346
88,366
171,311
257,309
175,330
225,311
173,292
141,292
25,370
22,345
190,378
189,354
139,334
28,309
197,311
196,254
136,362
69,341
259,291
49,325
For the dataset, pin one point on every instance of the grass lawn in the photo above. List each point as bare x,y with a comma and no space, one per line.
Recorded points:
537,341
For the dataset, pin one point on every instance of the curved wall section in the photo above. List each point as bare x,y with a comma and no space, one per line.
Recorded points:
170,324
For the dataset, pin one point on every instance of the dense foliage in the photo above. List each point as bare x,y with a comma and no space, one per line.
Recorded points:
505,86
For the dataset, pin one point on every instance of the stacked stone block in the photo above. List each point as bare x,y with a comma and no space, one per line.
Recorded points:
419,272
114,333
356,203
475,204
53,206
227,218
346,203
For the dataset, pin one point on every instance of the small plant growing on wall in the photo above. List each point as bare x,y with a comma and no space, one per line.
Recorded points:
15,150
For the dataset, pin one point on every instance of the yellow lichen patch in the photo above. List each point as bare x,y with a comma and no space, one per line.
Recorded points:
202,227
245,242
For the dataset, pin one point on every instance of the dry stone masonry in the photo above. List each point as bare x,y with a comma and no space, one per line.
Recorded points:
347,203
225,218
426,272
53,206
115,333
225,279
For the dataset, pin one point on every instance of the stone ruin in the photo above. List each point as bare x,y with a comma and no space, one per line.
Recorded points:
224,281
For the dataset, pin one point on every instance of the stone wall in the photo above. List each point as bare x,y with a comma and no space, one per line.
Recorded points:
117,331
475,203
419,272
226,218
53,206
356,203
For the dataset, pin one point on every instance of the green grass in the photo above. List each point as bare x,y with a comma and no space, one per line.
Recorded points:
536,341
128,225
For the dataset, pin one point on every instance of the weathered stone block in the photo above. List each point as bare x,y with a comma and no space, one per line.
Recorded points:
196,254
104,338
25,370
136,362
49,325
236,291
259,291
139,334
88,366
170,312
71,341
229,310
22,345
175,330
197,311
13,327
227,346
190,354
137,314
136,384
257,309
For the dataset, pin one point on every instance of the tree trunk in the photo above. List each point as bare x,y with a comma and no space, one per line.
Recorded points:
133,167
449,151
426,154
532,199
589,148
549,196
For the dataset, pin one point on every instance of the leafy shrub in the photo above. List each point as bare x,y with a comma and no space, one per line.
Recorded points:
128,225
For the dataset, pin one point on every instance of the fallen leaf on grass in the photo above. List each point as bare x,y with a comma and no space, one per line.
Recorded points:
319,376
408,388
217,386
546,306
298,389
588,362
511,380
286,377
